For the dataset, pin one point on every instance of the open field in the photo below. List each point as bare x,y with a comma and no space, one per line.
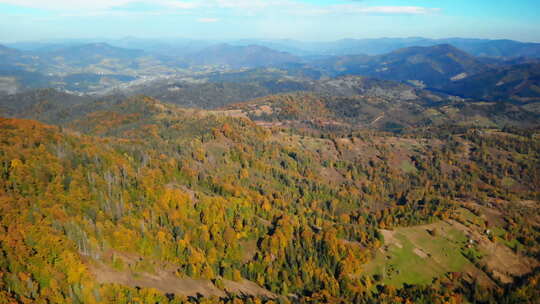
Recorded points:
417,255
413,255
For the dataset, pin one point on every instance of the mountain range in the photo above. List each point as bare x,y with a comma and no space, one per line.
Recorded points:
371,46
379,46
445,68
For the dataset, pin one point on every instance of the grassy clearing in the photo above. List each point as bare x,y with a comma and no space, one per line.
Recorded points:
513,244
408,167
468,217
497,232
417,256
508,182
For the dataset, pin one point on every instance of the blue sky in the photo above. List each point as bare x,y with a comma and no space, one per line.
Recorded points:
22,20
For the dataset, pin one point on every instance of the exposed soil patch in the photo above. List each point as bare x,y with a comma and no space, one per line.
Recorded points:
419,252
499,259
246,287
331,175
249,249
263,109
164,281
390,239
504,263
529,203
232,113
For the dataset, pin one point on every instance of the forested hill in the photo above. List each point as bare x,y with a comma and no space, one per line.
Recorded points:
140,201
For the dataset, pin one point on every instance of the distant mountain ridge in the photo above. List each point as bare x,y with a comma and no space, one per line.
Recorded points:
368,46
432,66
445,68
104,66
520,83
240,56
378,46
95,51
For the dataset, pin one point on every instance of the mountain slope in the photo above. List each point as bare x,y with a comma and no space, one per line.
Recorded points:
5,51
447,69
433,66
343,114
87,54
47,105
14,59
149,203
519,83
240,56
354,102
497,48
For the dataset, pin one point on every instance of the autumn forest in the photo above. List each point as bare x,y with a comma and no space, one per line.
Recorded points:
139,201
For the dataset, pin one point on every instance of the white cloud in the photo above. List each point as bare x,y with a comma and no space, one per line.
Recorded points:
74,5
412,10
301,8
240,7
68,5
181,4
207,20
241,4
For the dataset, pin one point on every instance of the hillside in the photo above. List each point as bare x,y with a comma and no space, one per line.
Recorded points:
88,54
211,95
518,83
345,103
444,68
432,66
353,103
240,56
144,200
5,51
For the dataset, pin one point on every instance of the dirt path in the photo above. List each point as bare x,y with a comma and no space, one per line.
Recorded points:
419,252
164,281
168,282
377,119
246,287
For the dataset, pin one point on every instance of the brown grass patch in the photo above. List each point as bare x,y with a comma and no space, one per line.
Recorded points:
162,280
246,287
390,239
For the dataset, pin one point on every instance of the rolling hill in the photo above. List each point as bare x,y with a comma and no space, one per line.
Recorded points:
397,109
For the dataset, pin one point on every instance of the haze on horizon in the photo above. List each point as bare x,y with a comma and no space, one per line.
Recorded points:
23,20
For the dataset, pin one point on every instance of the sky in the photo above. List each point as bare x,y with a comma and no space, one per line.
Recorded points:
315,20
